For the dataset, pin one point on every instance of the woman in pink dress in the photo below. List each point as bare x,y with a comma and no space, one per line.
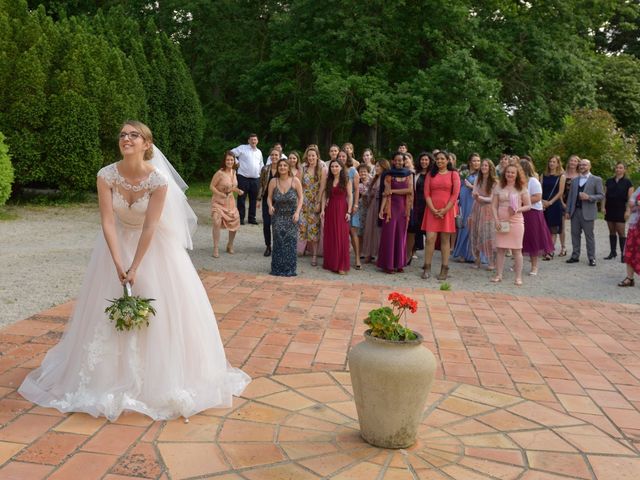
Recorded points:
224,212
336,204
441,190
510,199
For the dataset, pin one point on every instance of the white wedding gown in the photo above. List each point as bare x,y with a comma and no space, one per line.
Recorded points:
174,367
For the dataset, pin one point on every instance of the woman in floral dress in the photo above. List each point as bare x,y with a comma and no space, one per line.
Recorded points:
313,178
482,227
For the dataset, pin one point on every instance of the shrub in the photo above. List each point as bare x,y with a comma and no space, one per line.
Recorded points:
6,171
73,147
591,134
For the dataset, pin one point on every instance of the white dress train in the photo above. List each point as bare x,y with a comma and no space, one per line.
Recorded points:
174,367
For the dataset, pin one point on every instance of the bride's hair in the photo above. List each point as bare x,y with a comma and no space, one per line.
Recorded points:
146,135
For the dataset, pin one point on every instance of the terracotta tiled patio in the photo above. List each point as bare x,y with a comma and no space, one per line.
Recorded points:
527,388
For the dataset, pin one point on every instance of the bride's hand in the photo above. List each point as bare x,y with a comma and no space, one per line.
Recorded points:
130,277
122,275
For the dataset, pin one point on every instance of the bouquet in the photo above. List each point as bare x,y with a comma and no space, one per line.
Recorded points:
129,312
385,321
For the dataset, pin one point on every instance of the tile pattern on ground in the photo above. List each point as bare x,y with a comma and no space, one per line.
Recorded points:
571,370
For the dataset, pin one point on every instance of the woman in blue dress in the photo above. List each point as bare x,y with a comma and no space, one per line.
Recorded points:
285,202
462,251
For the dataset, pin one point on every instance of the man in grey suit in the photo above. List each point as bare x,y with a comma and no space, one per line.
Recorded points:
586,191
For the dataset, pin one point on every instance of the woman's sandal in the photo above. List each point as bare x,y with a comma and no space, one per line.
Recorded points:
563,252
426,272
215,253
444,272
627,282
518,283
496,279
314,261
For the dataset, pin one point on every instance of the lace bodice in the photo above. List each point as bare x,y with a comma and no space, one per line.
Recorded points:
131,214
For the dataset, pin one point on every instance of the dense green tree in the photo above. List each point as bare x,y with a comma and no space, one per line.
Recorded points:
85,76
619,90
463,74
620,33
72,141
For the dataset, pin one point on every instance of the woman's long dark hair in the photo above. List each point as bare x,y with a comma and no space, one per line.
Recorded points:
342,179
431,160
434,166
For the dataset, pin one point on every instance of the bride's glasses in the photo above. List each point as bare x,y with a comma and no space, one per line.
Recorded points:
133,136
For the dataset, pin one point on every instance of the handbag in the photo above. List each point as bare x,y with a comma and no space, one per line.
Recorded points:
459,221
505,227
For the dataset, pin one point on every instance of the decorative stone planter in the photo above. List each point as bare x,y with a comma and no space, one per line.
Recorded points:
391,381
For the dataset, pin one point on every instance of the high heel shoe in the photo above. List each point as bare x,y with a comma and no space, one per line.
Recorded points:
230,249
426,271
444,272
215,253
563,252
314,261
496,279
627,282
611,255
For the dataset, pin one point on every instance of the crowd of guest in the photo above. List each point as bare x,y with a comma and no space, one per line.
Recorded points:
386,211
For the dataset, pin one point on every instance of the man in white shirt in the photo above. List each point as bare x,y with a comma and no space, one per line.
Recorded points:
250,163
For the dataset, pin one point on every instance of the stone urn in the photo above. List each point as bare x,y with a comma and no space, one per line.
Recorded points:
391,381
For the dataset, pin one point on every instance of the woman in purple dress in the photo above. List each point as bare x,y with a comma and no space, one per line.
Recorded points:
397,197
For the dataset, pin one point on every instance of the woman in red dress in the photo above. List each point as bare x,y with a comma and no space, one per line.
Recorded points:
632,247
337,201
441,190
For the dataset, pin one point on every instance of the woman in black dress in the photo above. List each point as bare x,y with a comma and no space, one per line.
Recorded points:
618,190
415,237
553,187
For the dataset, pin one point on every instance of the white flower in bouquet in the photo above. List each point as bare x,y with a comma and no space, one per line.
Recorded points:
129,312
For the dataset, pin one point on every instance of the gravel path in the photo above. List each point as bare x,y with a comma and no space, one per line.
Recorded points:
44,252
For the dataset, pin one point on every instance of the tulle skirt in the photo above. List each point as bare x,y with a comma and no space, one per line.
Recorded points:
537,237
174,367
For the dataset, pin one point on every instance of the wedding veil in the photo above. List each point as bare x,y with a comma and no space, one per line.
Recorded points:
177,215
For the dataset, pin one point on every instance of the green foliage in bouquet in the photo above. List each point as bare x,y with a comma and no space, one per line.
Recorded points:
130,312
385,321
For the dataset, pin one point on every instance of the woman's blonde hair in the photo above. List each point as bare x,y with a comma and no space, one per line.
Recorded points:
318,169
146,135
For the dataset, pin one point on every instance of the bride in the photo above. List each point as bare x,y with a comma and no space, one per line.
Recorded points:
174,367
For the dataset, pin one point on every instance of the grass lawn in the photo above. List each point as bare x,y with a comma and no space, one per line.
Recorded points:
198,189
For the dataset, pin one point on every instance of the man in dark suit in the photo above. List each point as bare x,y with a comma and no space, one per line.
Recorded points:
586,191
